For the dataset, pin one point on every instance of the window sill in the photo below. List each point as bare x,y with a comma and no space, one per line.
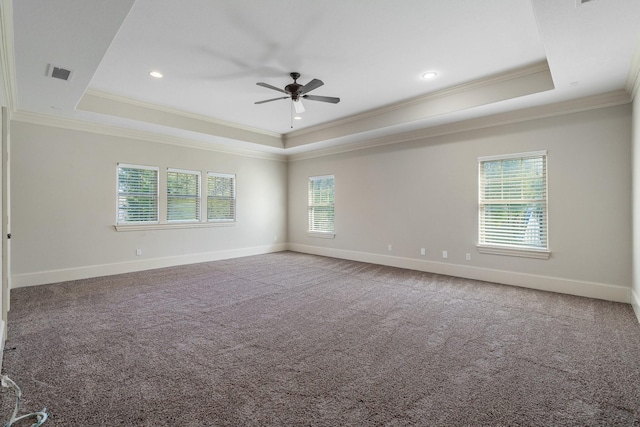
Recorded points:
525,253
321,235
178,225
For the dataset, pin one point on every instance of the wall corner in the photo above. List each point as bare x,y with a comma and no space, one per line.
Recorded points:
635,303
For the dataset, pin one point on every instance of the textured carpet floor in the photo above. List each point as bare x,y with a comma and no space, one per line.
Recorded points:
288,339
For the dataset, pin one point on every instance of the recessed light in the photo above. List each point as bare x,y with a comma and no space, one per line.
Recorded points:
297,118
429,75
156,74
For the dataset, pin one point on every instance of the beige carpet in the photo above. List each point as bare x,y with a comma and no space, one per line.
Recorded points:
288,339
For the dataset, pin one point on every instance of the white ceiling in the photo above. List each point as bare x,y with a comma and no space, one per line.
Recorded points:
491,56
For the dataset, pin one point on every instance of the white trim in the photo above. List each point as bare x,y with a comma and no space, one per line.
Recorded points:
176,112
76,273
165,226
609,99
120,132
7,55
422,99
186,171
320,177
545,283
512,156
2,341
222,174
124,108
525,253
635,303
321,235
602,291
633,77
132,166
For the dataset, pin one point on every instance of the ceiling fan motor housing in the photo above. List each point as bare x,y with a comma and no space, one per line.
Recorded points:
294,87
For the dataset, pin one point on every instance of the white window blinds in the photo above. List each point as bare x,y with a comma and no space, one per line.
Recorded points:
513,201
321,204
221,197
183,195
137,194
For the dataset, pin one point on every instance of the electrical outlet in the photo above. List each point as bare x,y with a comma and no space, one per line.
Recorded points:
445,254
138,252
389,248
423,251
468,257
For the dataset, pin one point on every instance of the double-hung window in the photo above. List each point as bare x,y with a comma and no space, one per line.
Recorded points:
513,205
321,204
221,197
183,195
137,194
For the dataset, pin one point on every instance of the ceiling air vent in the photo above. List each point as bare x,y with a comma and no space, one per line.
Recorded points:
59,72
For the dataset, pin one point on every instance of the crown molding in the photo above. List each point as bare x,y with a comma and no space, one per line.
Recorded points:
119,106
537,75
566,107
7,55
83,126
150,106
609,99
633,78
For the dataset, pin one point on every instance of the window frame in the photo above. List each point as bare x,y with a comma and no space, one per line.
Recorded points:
233,198
120,166
531,251
162,221
198,196
328,234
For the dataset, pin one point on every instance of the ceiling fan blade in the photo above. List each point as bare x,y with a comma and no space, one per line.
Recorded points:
268,86
273,99
330,99
313,84
298,106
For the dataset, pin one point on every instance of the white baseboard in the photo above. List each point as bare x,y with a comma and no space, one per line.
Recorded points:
2,341
532,281
63,275
635,303
544,283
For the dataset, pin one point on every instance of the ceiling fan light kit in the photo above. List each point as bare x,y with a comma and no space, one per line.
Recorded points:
298,106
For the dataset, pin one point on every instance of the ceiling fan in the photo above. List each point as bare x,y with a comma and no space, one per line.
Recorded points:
296,92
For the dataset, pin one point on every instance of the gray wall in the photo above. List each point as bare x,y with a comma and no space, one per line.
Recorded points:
424,195
64,206
412,195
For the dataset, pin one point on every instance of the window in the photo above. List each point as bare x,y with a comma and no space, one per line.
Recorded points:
183,196
321,204
137,194
221,197
513,204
